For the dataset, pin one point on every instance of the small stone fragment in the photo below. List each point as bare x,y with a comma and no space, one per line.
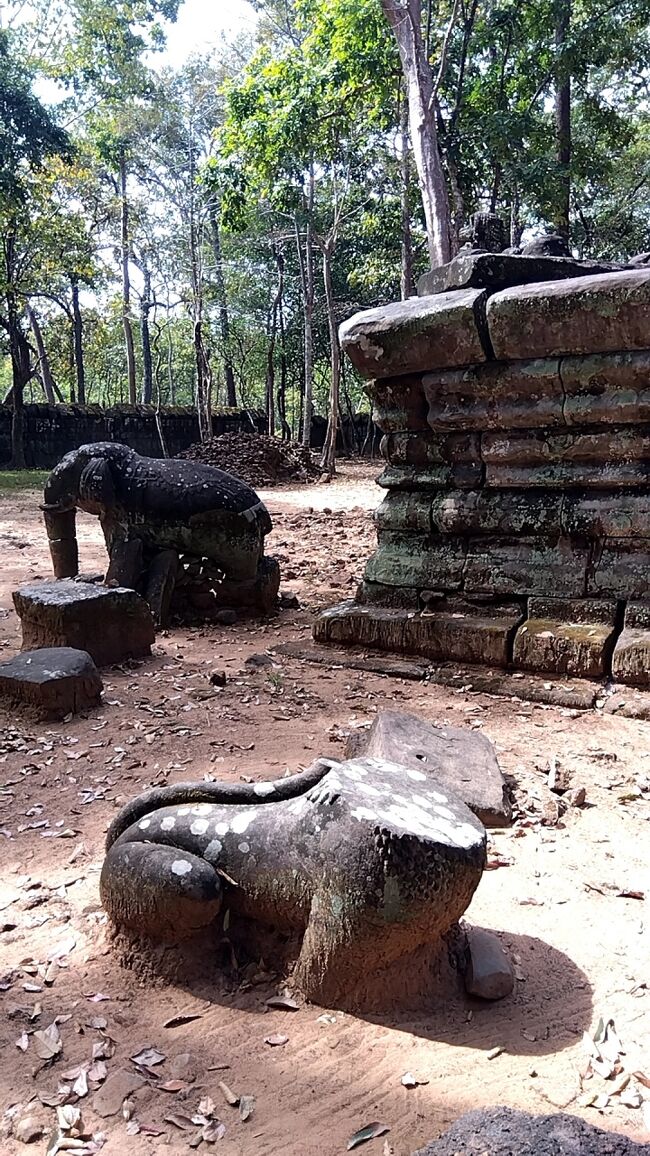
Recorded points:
28,1129
108,1100
225,617
489,973
218,678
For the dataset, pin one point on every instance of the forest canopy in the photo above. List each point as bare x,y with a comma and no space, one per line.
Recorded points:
195,235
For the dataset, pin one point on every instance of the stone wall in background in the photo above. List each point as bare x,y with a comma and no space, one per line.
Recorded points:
515,530
52,430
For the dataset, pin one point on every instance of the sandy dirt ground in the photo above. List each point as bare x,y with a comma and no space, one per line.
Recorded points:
567,892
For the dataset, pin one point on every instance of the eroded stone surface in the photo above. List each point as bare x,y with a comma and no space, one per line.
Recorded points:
574,648
505,1132
597,314
417,335
110,623
488,971
461,761
53,681
631,658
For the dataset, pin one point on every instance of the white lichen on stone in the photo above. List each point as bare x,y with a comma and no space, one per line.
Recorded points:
181,867
263,788
199,826
168,823
144,823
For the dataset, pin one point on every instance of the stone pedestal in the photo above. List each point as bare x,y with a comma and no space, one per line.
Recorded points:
516,427
111,624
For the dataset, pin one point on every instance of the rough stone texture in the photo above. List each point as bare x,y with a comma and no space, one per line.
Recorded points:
521,477
111,624
53,681
502,270
417,335
575,648
370,865
598,314
214,523
488,971
461,761
506,1132
631,658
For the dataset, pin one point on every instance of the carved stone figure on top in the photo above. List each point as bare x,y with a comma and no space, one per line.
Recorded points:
172,528
365,865
486,233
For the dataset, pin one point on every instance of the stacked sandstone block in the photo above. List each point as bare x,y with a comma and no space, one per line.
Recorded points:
515,530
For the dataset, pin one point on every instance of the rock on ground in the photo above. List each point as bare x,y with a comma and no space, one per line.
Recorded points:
55,681
505,1132
111,624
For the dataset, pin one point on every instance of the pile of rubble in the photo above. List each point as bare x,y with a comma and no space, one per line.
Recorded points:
257,459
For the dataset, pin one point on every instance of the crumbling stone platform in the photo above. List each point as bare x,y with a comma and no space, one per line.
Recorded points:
52,682
515,530
111,624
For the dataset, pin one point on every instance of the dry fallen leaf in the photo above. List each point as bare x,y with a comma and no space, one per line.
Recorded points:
369,1132
207,1106
180,1121
246,1107
149,1057
276,1041
23,1041
47,1043
213,1131
182,1018
285,1002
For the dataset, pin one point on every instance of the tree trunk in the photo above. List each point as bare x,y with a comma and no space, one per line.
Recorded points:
126,283
273,330
308,293
49,385
328,457
405,19
282,387
20,374
147,364
203,383
563,117
224,319
77,335
406,274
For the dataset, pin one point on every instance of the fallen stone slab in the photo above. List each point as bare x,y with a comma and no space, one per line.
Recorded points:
488,971
418,335
54,681
598,314
506,1132
502,270
111,624
462,761
631,657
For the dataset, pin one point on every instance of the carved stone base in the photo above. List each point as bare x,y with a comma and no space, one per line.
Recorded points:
111,624
574,648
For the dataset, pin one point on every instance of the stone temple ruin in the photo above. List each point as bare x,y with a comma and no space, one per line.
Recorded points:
514,399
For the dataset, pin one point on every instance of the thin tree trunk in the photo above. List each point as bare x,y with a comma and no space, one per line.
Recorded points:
328,457
147,365
170,358
126,283
405,19
224,319
49,385
282,387
406,273
21,374
77,337
308,288
203,382
563,117
273,330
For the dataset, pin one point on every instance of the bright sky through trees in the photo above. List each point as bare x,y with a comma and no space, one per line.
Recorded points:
203,23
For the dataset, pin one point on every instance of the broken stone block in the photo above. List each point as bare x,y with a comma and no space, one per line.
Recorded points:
417,335
560,647
631,657
462,761
600,314
502,270
110,623
506,1132
54,681
489,973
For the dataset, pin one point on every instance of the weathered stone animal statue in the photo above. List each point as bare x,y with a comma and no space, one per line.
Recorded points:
369,861
152,512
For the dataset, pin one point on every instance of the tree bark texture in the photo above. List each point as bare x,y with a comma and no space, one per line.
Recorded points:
563,117
126,282
50,389
224,319
328,457
147,364
308,278
405,19
406,273
77,334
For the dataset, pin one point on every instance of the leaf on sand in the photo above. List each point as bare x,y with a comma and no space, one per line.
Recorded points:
370,1132
23,1041
411,1081
207,1106
284,1002
182,1018
642,1078
246,1107
276,1041
149,1057
182,1122
68,1117
228,1095
213,1131
173,1086
47,1043
80,1086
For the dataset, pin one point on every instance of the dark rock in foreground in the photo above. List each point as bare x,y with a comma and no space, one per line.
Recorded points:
54,681
506,1132
111,624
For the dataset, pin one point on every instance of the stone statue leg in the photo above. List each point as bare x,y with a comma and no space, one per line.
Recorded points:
158,891
336,952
